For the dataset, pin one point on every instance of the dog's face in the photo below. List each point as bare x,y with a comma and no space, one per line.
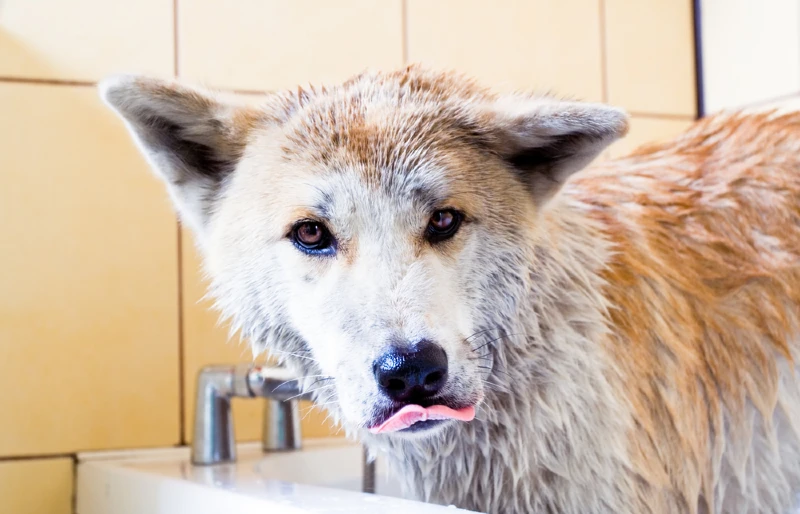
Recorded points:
373,234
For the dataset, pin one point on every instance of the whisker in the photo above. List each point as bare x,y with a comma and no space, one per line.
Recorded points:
333,402
500,388
282,384
308,410
320,388
302,378
495,340
320,380
330,414
308,392
497,370
297,355
311,407
479,332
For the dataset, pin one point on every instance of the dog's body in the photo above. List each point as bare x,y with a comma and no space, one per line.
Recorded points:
671,279
629,339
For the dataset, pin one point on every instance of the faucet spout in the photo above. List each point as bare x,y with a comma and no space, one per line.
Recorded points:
281,410
214,440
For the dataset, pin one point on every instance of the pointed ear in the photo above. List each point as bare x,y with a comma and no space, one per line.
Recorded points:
191,140
546,140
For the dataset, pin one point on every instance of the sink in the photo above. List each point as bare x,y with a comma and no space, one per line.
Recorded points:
325,476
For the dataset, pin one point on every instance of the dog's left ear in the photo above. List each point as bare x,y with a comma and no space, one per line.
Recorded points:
546,140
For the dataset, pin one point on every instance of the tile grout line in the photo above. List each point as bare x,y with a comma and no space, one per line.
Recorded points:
661,116
48,82
93,83
603,52
245,91
44,456
404,27
179,247
74,483
181,359
175,67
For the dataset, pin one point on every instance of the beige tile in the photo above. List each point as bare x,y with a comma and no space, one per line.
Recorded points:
88,300
36,486
271,44
540,44
645,130
85,39
206,342
650,56
751,51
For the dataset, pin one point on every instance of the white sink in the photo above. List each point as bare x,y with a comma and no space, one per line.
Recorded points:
325,476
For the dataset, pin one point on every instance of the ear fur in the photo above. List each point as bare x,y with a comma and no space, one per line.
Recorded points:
546,140
191,140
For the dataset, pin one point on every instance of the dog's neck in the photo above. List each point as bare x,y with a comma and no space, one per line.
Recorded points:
549,421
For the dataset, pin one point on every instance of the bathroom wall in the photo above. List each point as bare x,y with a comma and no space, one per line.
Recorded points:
102,326
751,52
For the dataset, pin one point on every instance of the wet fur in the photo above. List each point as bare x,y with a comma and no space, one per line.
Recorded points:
631,330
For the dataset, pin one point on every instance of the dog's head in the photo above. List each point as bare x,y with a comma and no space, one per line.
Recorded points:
373,235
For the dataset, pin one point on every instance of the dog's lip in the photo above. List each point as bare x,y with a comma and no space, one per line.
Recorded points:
412,413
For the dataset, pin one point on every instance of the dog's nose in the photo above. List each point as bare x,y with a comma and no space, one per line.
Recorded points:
411,374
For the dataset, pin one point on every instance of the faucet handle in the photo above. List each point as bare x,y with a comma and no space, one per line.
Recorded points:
281,425
281,409
214,440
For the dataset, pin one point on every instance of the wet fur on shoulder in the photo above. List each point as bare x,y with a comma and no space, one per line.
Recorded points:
628,332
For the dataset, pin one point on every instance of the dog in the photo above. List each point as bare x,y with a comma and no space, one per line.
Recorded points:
512,330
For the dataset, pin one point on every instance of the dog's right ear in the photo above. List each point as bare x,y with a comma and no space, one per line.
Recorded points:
192,140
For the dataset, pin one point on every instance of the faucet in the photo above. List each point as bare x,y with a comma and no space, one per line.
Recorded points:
214,441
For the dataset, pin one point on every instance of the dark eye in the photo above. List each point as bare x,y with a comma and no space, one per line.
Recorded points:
312,237
443,225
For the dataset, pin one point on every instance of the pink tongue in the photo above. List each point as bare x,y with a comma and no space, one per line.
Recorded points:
411,414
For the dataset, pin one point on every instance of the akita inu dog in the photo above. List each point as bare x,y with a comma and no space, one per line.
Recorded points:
417,247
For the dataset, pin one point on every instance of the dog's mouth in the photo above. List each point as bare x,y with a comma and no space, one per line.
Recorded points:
414,418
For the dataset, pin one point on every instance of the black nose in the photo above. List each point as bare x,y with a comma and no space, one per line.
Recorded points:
411,374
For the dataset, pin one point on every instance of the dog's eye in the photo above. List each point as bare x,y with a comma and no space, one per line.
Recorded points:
312,237
443,225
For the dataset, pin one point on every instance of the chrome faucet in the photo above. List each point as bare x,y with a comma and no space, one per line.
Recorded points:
214,440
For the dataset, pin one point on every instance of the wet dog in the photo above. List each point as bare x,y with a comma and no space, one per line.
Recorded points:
515,332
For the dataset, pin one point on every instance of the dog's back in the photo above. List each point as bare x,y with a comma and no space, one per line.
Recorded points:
704,288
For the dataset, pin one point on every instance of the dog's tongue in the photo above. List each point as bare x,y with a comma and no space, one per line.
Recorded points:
411,414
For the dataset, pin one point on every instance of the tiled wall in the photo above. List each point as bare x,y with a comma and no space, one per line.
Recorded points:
101,325
751,52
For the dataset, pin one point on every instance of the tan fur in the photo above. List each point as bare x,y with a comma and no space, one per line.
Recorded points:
629,332
705,289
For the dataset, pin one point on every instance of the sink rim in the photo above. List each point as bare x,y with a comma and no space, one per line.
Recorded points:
123,470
